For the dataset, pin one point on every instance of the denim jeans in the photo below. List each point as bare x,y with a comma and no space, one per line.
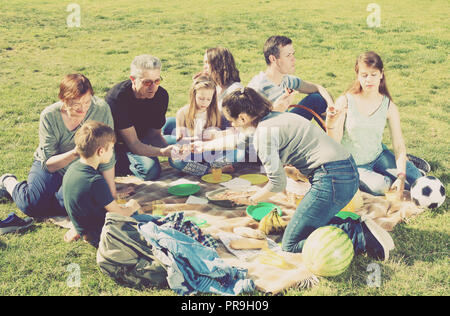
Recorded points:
315,102
333,185
143,167
192,267
200,164
169,131
41,195
377,176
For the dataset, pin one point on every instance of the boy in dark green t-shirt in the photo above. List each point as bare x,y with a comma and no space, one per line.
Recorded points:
87,196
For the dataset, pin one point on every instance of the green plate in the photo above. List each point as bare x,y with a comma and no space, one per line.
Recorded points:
344,215
255,178
210,179
262,209
184,189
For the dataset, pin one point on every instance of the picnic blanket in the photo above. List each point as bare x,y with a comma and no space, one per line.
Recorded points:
272,270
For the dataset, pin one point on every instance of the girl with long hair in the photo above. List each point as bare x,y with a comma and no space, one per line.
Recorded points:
357,122
219,63
282,138
199,120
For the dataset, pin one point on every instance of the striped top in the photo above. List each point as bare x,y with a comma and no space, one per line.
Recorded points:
270,90
234,86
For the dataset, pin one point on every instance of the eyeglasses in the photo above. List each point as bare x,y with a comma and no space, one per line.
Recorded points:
148,82
73,105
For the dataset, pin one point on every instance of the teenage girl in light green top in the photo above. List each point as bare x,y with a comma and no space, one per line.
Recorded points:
358,121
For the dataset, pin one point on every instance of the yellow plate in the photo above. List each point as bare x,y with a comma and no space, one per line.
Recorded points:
209,178
255,178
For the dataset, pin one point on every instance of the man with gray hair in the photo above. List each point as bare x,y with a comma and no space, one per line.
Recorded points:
139,106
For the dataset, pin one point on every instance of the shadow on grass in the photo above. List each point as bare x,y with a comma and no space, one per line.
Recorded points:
363,273
436,165
414,244
4,200
3,246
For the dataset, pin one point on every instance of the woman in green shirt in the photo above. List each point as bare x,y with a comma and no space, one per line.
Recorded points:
41,194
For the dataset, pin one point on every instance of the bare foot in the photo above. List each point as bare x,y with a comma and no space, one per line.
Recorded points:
71,235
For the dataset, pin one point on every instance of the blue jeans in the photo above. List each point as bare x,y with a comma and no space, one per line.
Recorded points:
168,131
315,102
377,176
200,164
193,267
41,195
333,185
143,167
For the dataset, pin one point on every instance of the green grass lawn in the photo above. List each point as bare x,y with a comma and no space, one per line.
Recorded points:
37,49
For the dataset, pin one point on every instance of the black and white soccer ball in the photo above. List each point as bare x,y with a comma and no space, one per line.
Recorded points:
428,192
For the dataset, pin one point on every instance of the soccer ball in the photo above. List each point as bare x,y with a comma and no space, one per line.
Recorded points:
428,192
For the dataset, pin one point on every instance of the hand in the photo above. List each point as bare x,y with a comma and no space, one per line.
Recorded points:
75,153
209,134
133,205
167,151
283,102
295,174
333,113
180,152
399,186
197,147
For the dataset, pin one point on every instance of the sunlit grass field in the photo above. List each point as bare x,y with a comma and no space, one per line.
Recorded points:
37,48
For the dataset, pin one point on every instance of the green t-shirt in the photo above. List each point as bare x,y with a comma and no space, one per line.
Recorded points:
55,138
86,194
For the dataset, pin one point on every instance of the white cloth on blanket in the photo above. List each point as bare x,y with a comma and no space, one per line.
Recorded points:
226,239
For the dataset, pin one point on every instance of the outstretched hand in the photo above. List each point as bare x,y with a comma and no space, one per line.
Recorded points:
333,112
197,147
180,152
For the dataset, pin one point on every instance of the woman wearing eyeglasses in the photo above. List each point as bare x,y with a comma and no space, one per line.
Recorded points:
41,194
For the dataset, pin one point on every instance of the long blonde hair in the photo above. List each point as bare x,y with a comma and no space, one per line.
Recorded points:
213,117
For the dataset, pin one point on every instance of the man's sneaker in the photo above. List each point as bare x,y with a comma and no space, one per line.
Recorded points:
3,191
378,241
13,223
